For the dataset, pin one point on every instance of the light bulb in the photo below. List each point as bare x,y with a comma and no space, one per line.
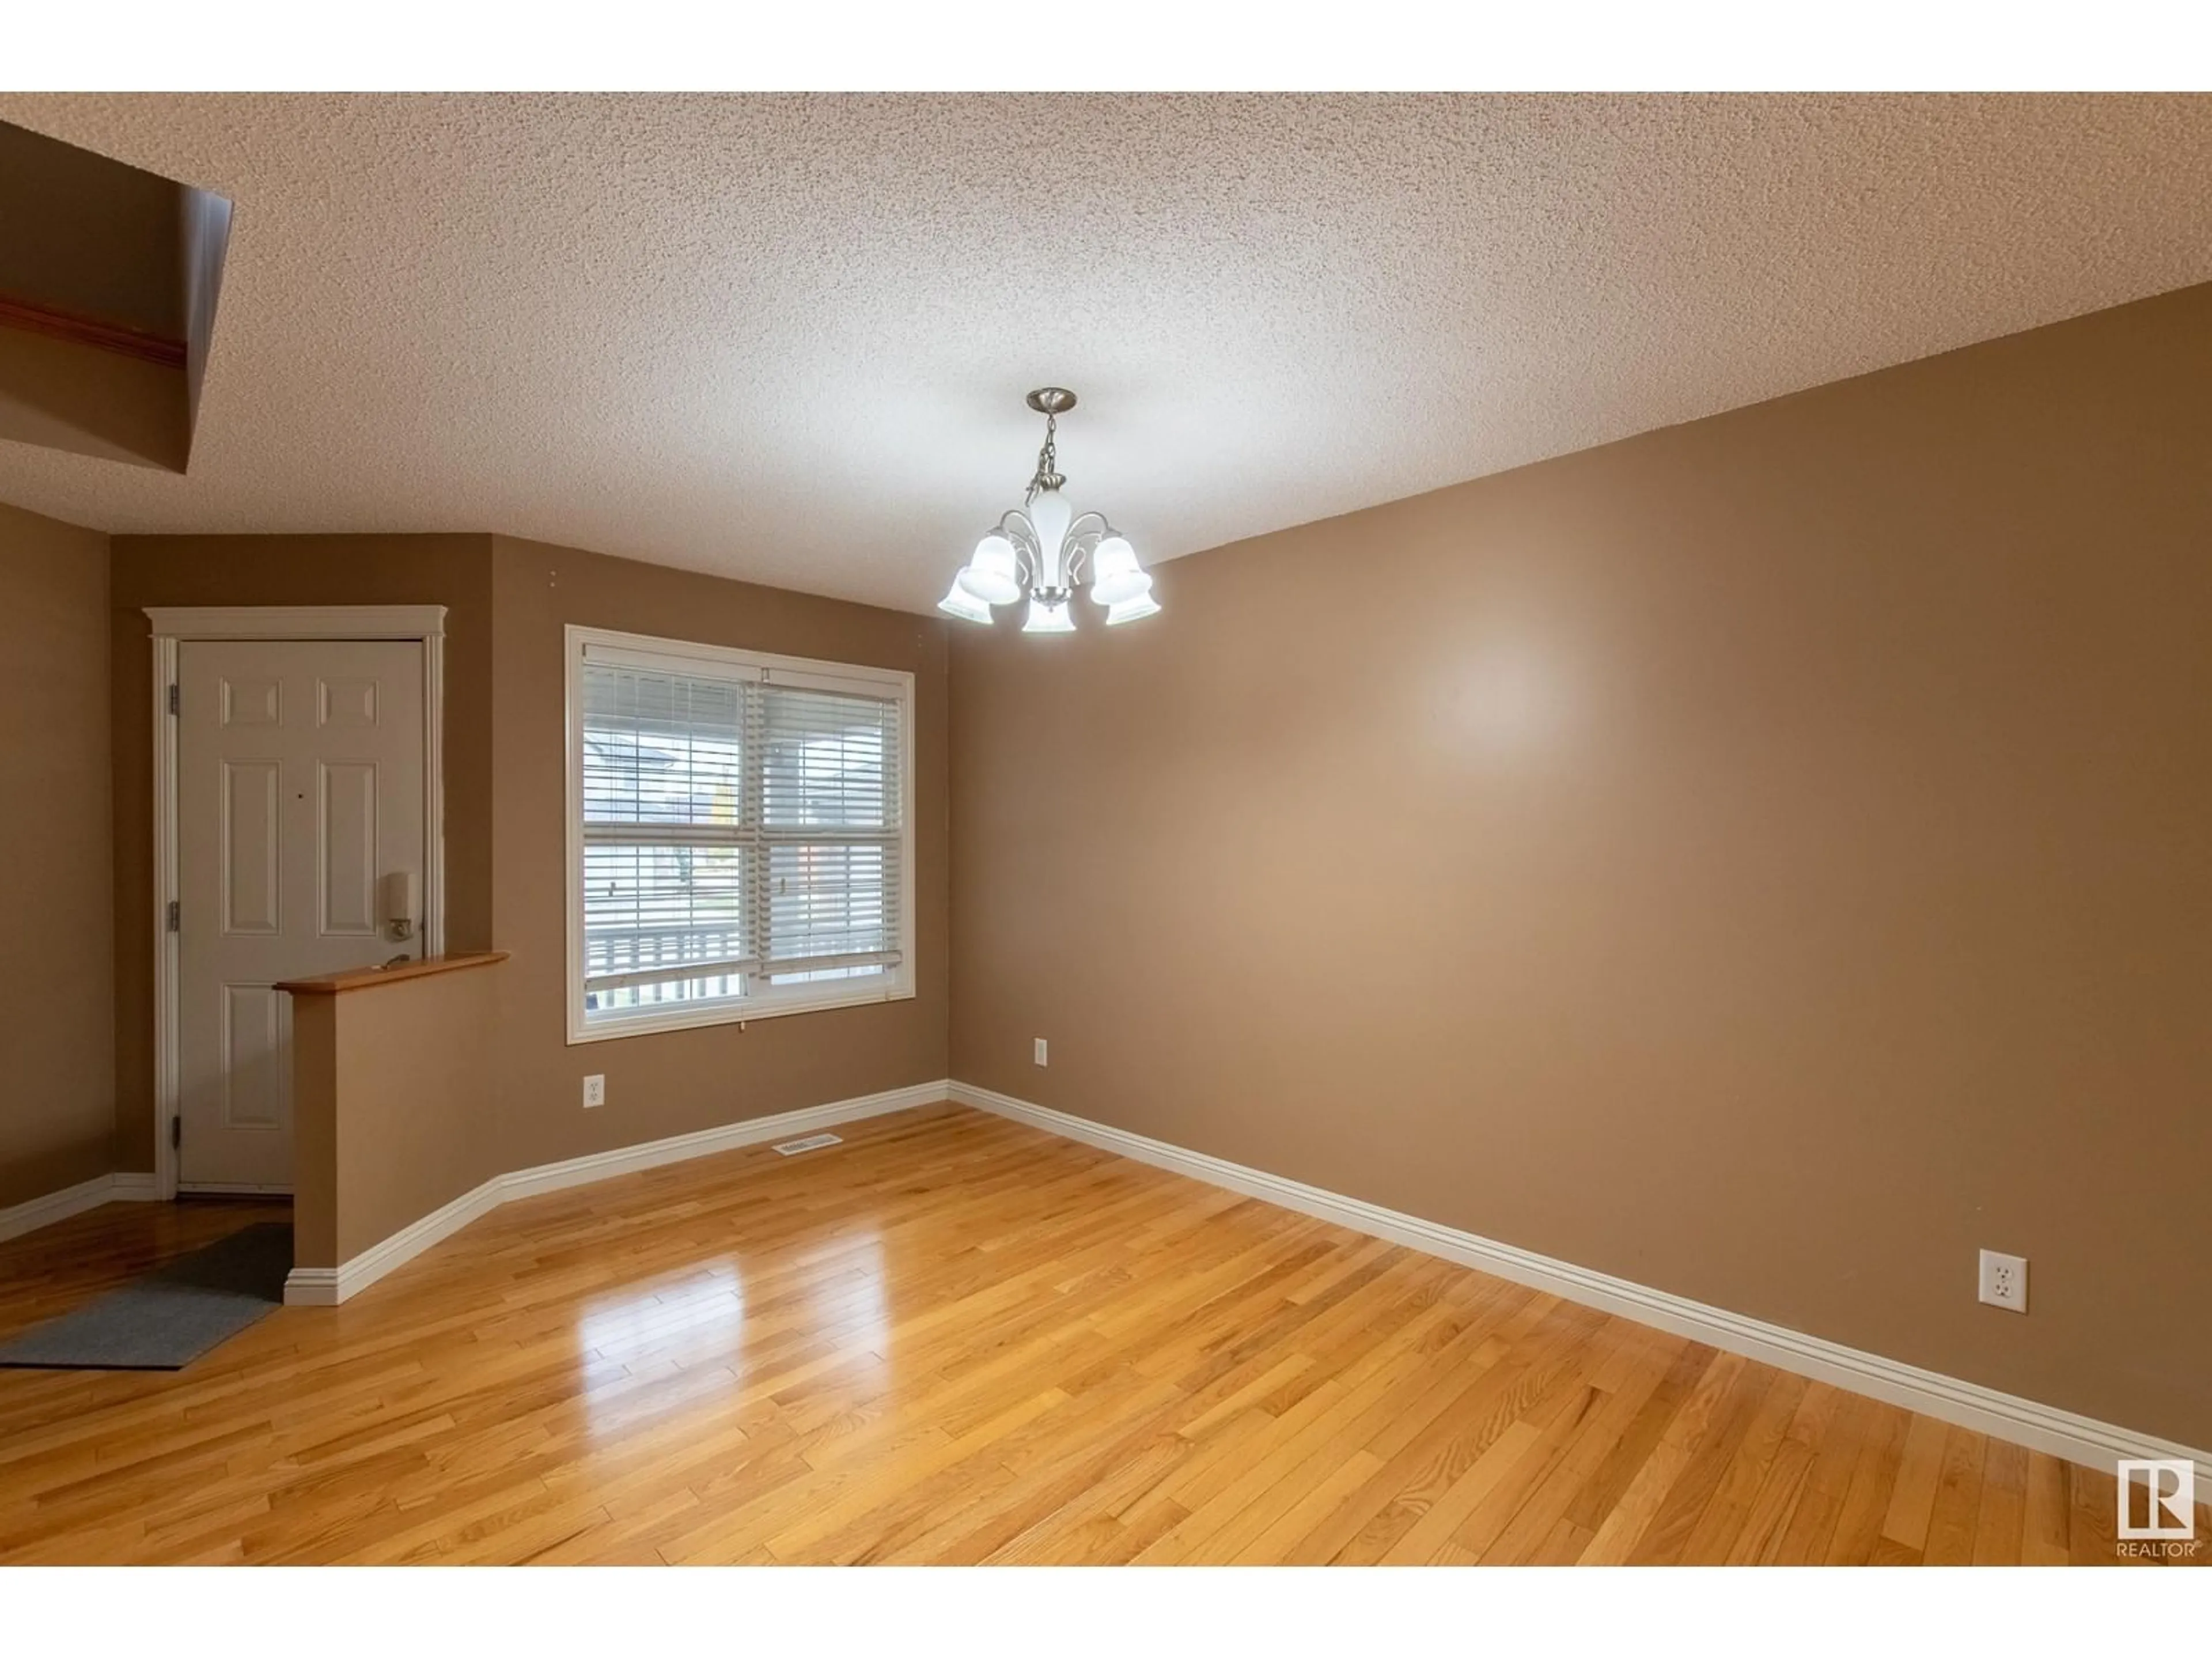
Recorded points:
1049,616
1114,576
959,601
1049,515
1135,609
990,576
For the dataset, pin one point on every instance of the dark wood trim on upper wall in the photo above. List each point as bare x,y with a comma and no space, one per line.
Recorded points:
36,316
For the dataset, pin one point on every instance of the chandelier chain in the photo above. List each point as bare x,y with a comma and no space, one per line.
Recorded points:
1048,467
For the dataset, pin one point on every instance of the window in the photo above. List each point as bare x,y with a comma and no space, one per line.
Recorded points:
740,835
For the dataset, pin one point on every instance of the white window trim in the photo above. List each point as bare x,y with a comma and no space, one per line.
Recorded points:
648,651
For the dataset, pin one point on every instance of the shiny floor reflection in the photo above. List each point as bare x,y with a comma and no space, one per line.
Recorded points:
954,1339
694,1325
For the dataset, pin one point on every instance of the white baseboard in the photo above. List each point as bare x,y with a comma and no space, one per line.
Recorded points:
325,1287
1969,1405
598,1166
36,1213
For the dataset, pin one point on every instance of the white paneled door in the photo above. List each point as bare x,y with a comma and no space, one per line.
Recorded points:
299,839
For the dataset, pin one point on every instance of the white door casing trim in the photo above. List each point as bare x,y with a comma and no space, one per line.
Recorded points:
172,624
299,622
325,1287
1948,1398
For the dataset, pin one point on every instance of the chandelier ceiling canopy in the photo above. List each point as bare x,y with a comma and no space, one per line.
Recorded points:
1045,548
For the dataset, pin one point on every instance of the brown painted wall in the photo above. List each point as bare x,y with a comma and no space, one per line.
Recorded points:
93,238
392,1092
65,395
418,1074
508,602
1767,859
315,1133
90,235
454,571
672,1082
58,982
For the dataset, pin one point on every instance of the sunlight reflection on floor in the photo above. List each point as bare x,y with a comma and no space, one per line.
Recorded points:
680,1342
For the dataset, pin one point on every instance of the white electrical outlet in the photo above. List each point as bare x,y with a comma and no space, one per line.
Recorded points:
1039,1055
595,1090
2004,1281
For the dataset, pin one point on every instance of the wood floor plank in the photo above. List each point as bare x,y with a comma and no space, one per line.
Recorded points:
1958,1501
1912,1498
1873,1478
1620,1529
1666,1541
1602,1491
1818,1505
2044,1526
956,1339
1728,1511
1999,1528
1497,1530
1760,1539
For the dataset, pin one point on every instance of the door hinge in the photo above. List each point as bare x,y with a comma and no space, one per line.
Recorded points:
174,918
176,1133
173,699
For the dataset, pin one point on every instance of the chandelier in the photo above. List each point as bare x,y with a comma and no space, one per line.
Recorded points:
1045,548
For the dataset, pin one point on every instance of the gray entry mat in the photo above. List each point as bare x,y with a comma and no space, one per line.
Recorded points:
165,1321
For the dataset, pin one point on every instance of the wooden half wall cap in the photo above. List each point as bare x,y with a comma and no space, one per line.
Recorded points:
360,979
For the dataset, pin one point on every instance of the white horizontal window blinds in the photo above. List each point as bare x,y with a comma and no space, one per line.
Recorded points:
667,851
739,837
830,829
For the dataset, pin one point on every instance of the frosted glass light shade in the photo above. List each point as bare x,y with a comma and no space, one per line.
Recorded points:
1049,616
1049,515
959,601
990,576
1114,576
1135,609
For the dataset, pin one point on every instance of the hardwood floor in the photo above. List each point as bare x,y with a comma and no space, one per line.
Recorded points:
956,1339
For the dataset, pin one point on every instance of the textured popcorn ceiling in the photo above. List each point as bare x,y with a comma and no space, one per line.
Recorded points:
786,338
